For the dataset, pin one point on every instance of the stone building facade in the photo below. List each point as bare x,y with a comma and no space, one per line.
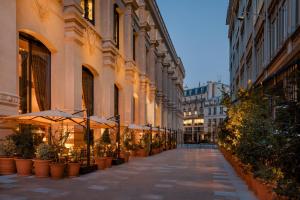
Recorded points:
203,112
107,56
264,46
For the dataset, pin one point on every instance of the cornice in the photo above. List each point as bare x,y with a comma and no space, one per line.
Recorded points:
155,13
132,3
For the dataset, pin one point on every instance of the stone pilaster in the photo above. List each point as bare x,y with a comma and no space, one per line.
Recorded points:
142,99
9,96
130,69
74,40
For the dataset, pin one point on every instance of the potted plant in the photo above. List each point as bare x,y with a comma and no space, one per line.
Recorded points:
7,150
100,158
25,141
73,164
57,167
106,142
109,155
143,146
125,154
44,154
126,146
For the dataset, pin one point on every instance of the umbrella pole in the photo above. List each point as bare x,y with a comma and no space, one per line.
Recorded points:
150,139
49,135
88,142
118,136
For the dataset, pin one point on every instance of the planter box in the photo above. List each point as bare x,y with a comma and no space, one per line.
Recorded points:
141,153
262,191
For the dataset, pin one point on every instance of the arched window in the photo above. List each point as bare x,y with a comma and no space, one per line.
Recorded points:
88,90
34,72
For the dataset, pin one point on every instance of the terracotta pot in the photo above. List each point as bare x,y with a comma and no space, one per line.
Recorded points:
108,162
41,168
141,153
125,156
133,153
7,166
73,169
24,167
57,170
100,162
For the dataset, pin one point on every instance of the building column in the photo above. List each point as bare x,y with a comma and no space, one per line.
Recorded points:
9,96
73,67
129,63
165,94
159,87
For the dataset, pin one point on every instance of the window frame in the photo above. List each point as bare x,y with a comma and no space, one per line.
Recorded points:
116,26
86,12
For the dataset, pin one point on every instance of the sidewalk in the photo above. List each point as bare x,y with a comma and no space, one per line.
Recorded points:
178,174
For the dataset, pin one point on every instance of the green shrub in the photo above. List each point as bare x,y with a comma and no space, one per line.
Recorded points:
26,141
7,147
45,152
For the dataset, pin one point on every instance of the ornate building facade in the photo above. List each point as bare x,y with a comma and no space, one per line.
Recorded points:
107,56
265,46
203,112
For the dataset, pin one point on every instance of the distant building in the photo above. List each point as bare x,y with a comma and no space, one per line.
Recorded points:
264,39
203,112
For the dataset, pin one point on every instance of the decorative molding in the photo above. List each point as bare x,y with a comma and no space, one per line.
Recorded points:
42,8
109,54
9,99
91,38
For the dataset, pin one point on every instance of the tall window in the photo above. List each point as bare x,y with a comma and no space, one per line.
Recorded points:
88,7
116,100
134,45
34,72
88,90
249,67
116,26
259,53
133,109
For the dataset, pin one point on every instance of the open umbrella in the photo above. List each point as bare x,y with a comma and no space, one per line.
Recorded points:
47,117
101,122
138,127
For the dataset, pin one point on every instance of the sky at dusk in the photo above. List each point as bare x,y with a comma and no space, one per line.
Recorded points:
199,34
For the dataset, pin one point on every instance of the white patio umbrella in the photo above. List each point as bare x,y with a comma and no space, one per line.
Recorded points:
47,117
138,127
101,122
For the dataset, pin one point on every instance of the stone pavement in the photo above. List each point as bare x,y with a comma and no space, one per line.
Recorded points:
184,173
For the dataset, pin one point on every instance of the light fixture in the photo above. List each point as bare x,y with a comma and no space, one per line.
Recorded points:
241,18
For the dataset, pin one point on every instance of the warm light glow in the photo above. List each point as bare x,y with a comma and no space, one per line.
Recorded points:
187,121
69,145
199,121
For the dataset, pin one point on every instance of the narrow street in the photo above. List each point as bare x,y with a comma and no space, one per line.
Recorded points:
184,173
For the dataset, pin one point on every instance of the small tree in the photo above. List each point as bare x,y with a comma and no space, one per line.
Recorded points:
105,139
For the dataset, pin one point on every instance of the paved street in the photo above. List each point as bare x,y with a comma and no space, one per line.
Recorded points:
185,173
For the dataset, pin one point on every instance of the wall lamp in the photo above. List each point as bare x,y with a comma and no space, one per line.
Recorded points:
242,17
